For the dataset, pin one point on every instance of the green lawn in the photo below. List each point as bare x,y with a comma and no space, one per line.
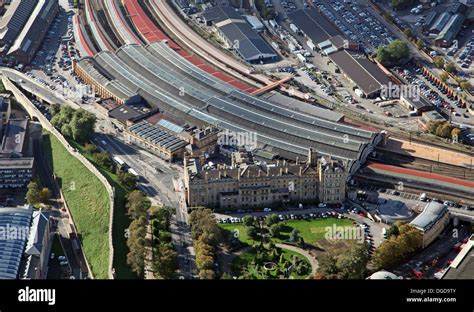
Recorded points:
311,230
88,201
121,220
240,262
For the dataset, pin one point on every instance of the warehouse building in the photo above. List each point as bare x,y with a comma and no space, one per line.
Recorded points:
87,71
38,247
344,53
362,72
30,38
13,143
13,21
18,221
239,35
158,140
432,221
450,31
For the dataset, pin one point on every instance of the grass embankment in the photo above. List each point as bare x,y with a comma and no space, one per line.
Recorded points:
88,202
121,221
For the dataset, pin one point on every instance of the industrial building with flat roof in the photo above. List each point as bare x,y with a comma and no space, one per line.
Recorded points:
344,53
240,35
15,173
31,36
15,222
431,221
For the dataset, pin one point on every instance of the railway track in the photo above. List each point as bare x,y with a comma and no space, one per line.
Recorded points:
425,165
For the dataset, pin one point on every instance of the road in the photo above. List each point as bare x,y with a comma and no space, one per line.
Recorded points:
162,188
159,186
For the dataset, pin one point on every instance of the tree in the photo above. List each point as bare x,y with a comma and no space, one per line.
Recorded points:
456,134
251,232
393,231
408,32
272,219
450,67
393,53
137,205
294,236
103,159
345,263
90,148
276,229
444,76
127,179
444,131
54,109
248,220
44,195
76,124
420,44
465,85
438,61
165,262
136,245
33,196
163,214
397,248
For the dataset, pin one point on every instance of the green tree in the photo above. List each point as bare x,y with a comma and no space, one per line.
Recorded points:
276,229
163,214
450,67
165,262
251,232
127,179
465,85
137,204
438,61
272,219
103,159
444,76
33,196
136,245
420,44
294,236
393,231
54,109
248,220
393,53
408,32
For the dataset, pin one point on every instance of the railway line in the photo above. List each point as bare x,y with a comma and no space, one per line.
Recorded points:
424,165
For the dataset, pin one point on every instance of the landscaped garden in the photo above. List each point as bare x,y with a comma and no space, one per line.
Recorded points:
311,231
270,262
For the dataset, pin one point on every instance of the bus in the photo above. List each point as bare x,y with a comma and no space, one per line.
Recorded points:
132,171
119,161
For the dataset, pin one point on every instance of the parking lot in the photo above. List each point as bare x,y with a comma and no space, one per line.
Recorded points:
434,94
356,23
